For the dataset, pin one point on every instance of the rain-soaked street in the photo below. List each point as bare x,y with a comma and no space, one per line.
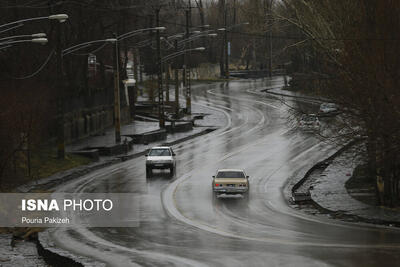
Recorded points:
179,223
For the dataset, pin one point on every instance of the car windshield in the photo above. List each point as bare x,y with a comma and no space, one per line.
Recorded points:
328,105
309,118
230,174
160,152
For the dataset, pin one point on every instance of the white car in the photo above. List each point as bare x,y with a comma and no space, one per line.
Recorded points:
309,122
327,109
162,157
230,181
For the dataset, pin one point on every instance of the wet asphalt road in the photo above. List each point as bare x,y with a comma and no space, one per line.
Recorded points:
180,224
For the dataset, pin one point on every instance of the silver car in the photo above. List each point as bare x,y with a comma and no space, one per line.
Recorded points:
309,122
162,157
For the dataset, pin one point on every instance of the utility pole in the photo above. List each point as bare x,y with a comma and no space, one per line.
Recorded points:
60,98
270,52
222,55
135,73
160,85
176,84
167,79
269,36
226,42
187,67
117,108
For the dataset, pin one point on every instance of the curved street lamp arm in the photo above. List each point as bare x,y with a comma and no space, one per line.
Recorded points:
137,32
173,55
170,45
13,37
129,34
12,28
83,45
16,42
21,21
170,56
8,44
60,17
203,34
64,53
23,36
4,47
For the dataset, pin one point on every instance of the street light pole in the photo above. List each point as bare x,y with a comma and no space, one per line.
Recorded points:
187,67
167,80
136,77
226,44
160,81
60,96
270,45
176,84
117,111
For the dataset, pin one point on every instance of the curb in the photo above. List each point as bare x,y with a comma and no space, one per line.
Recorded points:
322,164
348,214
61,258
339,214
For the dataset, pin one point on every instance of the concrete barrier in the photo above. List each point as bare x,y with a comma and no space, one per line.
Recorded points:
90,153
177,127
146,138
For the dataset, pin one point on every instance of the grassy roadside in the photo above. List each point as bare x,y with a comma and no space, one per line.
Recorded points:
41,163
46,162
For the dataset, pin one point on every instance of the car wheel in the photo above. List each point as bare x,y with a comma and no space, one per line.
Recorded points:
148,172
171,170
214,198
246,196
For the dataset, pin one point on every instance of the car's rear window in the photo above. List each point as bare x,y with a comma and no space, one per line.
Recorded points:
230,174
160,152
